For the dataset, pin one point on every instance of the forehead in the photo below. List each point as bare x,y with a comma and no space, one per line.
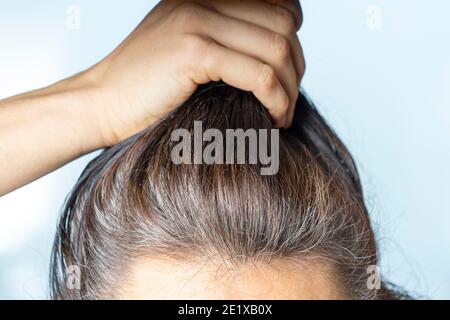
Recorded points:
150,278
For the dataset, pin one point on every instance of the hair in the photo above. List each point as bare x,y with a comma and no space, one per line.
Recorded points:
132,201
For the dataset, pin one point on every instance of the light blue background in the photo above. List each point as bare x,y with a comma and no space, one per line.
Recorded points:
381,77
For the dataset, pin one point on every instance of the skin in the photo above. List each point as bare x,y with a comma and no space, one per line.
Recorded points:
163,278
251,45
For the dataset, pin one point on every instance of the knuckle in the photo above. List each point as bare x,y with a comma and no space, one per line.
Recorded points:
208,56
186,14
193,48
285,20
267,77
293,101
301,71
296,95
284,107
281,47
300,20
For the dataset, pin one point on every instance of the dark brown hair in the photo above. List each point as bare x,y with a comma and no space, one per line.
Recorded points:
132,200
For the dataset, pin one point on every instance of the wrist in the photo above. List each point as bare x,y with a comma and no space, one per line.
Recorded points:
79,106
98,101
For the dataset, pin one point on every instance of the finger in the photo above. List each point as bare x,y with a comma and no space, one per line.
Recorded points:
272,17
255,41
300,74
210,61
294,8
275,18
267,46
299,58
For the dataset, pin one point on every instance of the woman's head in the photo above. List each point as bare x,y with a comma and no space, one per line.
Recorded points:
139,225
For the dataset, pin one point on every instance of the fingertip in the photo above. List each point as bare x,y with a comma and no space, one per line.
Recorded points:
290,120
300,15
281,123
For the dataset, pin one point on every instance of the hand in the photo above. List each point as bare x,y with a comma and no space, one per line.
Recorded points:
251,45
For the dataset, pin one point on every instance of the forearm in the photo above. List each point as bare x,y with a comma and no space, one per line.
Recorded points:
44,129
156,69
